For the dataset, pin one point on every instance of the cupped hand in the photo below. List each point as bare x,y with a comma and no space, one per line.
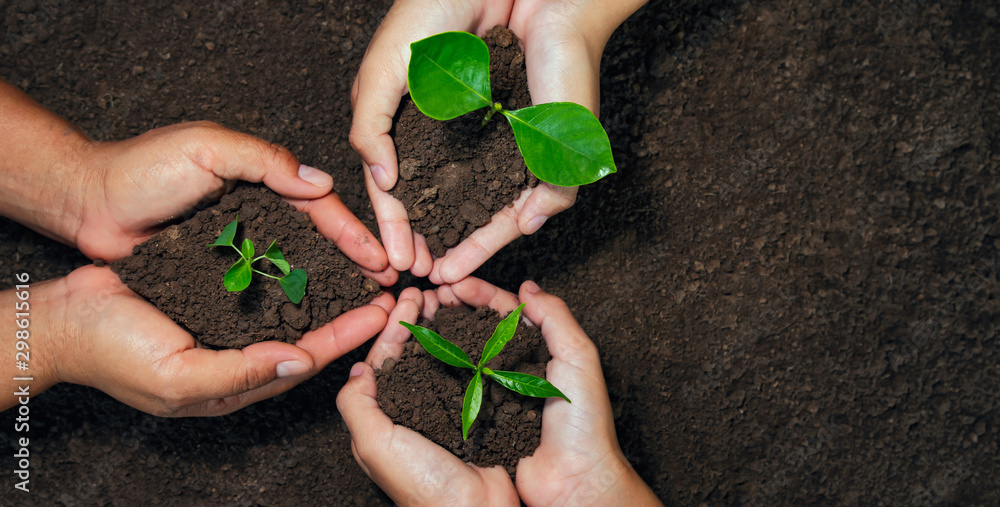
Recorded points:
578,461
375,96
409,468
115,341
136,186
563,43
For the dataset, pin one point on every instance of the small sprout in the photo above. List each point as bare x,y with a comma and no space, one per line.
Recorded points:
562,143
239,275
528,385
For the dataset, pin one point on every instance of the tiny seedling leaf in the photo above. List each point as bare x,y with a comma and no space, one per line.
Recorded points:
274,255
503,333
473,400
294,284
449,75
439,347
238,277
228,233
562,143
528,385
247,250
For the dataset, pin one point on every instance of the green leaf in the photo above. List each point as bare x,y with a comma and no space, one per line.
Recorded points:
238,277
449,75
247,249
562,143
228,233
473,400
274,255
503,333
439,347
528,385
294,284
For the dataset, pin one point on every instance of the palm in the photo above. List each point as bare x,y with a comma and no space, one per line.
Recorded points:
152,364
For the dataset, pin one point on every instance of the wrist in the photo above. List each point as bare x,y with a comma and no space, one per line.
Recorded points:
615,483
629,489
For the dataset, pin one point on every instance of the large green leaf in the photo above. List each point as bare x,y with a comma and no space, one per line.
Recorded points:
562,143
501,335
528,385
238,277
294,284
274,255
449,75
439,347
228,233
470,406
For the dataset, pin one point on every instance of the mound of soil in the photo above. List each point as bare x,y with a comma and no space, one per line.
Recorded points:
182,277
423,393
454,175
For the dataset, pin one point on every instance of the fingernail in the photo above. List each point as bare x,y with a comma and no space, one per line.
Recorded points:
315,176
536,223
357,369
532,287
292,368
381,179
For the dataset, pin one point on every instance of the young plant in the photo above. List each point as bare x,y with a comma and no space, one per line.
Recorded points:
562,143
239,275
528,385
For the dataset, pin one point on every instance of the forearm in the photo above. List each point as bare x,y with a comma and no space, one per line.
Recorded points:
42,167
30,317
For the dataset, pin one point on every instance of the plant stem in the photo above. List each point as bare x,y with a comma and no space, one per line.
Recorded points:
265,274
493,110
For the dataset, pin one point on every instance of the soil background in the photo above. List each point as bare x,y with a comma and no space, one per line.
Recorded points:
792,278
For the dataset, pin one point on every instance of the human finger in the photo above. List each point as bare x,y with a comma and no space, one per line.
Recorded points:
336,222
392,339
544,202
475,292
393,223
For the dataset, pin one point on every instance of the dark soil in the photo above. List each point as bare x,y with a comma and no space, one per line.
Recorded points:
455,175
182,277
792,279
423,393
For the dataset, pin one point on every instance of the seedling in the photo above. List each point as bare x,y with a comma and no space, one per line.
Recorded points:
528,385
239,275
562,143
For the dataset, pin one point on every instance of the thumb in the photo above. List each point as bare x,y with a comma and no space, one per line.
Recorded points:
218,374
375,97
544,201
360,410
239,156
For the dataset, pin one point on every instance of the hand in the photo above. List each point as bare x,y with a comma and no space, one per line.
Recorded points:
138,184
375,96
578,462
409,468
111,339
563,42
